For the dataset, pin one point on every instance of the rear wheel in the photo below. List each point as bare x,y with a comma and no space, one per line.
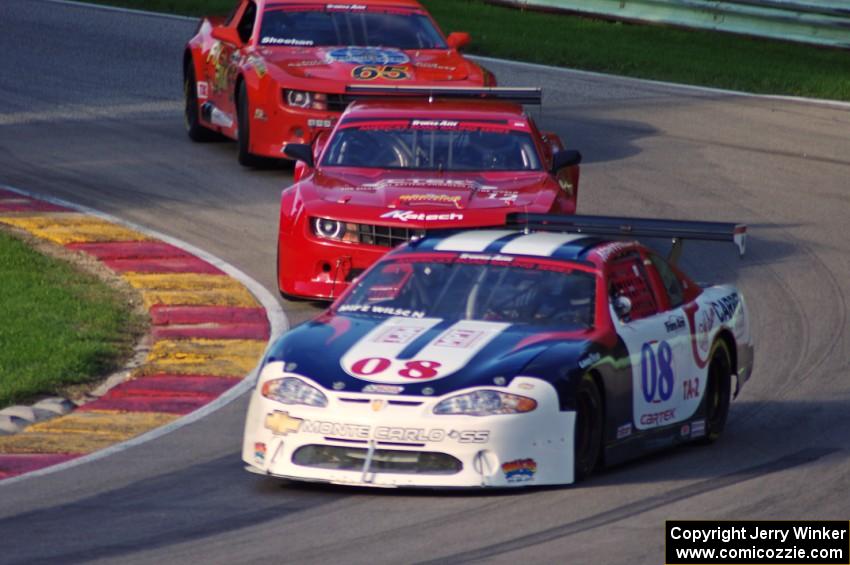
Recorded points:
246,158
191,119
588,427
718,391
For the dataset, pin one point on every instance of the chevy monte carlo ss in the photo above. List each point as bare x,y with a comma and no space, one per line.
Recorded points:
504,358
394,168
275,71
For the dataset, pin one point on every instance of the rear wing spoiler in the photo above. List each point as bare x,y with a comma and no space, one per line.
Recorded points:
519,95
675,230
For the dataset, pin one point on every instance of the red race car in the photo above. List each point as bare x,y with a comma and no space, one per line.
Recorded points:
275,71
395,167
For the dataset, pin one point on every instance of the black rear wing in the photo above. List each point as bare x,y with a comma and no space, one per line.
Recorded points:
675,230
519,95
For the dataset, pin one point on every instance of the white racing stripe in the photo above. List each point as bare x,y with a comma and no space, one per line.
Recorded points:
375,357
541,244
473,241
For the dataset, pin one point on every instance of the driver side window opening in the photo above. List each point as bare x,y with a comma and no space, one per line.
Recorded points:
671,282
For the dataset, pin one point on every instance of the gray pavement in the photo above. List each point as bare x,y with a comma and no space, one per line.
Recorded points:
90,112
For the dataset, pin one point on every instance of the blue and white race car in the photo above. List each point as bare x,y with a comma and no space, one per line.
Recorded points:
504,357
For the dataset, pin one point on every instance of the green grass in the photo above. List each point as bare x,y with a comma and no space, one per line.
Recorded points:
58,325
646,51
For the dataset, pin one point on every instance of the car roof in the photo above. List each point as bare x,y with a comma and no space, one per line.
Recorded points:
441,108
554,245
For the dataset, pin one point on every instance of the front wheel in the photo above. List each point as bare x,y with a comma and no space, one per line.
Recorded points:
588,427
718,392
246,158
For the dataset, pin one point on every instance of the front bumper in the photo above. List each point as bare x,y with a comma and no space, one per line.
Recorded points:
382,440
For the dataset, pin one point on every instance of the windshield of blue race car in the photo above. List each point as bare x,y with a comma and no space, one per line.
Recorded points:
348,24
432,145
475,287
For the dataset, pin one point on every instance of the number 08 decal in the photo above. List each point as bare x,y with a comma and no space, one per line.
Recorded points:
417,369
387,72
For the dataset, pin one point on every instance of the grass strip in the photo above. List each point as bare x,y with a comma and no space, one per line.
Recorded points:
59,326
705,58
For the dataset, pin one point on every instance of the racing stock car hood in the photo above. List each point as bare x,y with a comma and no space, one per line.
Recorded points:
342,65
420,356
416,191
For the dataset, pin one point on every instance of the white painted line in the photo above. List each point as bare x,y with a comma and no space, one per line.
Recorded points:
694,88
123,10
277,320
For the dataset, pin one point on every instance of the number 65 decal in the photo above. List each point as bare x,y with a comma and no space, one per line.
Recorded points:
388,72
417,369
656,372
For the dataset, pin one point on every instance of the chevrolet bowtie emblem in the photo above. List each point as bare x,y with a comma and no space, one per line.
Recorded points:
281,423
377,405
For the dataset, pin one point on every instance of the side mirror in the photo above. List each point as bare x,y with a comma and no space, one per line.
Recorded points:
458,39
299,152
566,158
227,35
623,307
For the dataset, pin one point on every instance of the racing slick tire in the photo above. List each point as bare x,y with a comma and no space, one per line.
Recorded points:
196,131
718,391
246,158
588,427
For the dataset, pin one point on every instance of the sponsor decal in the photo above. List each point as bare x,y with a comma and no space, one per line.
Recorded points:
470,436
306,63
526,386
399,334
697,428
313,123
566,186
685,430
482,258
203,90
658,418
367,56
267,40
346,7
430,199
338,385
219,118
260,452
383,310
386,72
427,391
431,183
259,114
391,433
410,215
383,389
624,431
258,64
435,66
725,308
434,124
674,323
281,423
459,338
609,250
520,470
589,360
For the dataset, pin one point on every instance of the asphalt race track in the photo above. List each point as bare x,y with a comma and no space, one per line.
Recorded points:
90,112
